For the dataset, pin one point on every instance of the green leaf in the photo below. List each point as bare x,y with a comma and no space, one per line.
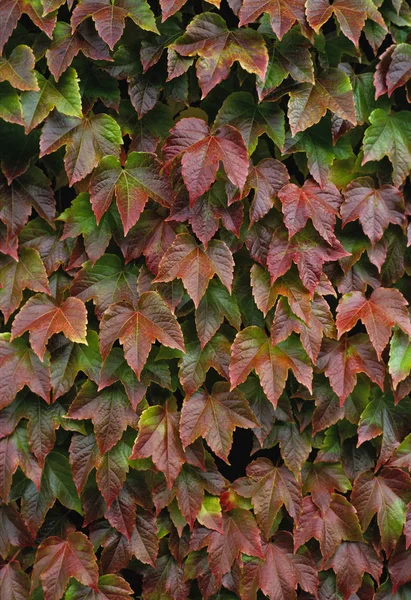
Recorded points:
389,135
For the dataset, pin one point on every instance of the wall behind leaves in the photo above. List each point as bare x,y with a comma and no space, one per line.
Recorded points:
205,352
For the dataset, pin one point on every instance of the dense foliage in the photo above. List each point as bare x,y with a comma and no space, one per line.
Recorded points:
205,353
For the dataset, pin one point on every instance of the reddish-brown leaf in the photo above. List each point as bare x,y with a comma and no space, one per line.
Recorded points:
214,416
43,317
195,266
384,309
201,151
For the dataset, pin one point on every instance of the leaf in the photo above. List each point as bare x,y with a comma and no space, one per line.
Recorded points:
309,103
270,488
374,208
122,513
144,91
110,587
295,447
195,266
252,120
106,282
14,532
60,482
382,417
395,74
384,309
343,360
197,361
307,250
321,205
319,324
28,191
112,469
351,15
43,421
321,479
26,273
109,410
206,212
159,439
252,350
215,306
385,495
87,140
389,135
79,219
266,178
338,522
288,286
290,56
214,416
350,562
14,453
42,317
218,48
137,329
110,18
14,583
68,358
57,560
66,45
399,364
240,534
132,186
63,95
20,366
18,68
283,14
282,571
167,579
201,151
10,107
151,236
83,458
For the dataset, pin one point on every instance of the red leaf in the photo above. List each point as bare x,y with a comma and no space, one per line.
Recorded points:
132,186
110,18
385,495
350,562
374,208
138,329
384,309
283,14
201,151
57,560
269,488
240,535
19,366
110,411
14,531
214,416
342,360
321,205
339,522
87,140
218,48
351,15
307,250
266,178
43,318
195,266
14,583
252,350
